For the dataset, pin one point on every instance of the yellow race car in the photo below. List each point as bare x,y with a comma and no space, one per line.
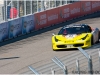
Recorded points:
73,36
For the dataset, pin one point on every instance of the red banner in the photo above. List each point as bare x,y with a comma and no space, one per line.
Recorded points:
40,20
75,9
64,13
95,6
85,7
52,16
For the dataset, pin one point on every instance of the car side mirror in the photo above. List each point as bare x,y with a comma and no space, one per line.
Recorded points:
53,34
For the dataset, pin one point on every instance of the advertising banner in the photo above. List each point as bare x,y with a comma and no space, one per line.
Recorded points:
52,16
95,6
85,7
64,13
4,31
28,24
75,9
15,27
40,20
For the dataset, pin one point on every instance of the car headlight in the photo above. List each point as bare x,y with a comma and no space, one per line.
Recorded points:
84,37
56,39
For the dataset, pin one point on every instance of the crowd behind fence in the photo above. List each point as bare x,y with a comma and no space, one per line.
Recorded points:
24,7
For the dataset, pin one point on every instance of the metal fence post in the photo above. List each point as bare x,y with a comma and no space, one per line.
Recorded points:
53,71
65,70
61,65
90,65
77,66
33,70
99,58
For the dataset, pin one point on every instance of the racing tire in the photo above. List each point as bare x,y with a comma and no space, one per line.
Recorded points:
92,43
98,37
99,34
53,49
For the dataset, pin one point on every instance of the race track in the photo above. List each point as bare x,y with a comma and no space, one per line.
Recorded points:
35,50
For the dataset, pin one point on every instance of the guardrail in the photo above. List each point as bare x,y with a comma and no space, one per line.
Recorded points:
61,65
90,66
33,70
77,71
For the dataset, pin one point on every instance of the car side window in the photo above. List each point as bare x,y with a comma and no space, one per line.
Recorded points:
60,32
89,29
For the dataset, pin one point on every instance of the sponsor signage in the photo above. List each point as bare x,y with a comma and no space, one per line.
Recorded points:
75,10
64,13
85,7
40,20
4,31
52,16
95,6
28,24
15,27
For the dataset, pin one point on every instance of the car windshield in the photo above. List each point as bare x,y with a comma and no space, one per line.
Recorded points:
72,30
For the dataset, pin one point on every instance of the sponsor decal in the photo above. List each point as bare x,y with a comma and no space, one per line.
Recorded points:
86,7
15,27
42,21
4,31
82,7
53,17
28,24
25,24
65,13
61,14
71,36
37,21
96,4
75,10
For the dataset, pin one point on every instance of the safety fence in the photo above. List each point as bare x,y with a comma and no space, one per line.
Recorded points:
87,62
19,8
30,23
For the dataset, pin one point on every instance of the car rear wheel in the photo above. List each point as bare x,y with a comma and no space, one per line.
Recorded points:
53,49
98,37
92,40
99,34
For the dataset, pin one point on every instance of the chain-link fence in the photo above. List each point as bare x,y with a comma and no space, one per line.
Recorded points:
16,8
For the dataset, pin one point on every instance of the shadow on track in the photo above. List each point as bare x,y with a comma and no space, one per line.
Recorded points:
74,49
97,14
9,58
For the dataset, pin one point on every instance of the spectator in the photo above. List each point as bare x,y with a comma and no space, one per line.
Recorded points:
13,12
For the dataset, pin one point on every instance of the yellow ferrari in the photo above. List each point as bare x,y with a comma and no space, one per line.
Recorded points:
73,36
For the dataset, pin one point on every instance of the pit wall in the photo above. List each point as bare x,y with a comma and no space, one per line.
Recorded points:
30,23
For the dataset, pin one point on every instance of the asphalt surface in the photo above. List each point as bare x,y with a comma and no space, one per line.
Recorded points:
35,48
